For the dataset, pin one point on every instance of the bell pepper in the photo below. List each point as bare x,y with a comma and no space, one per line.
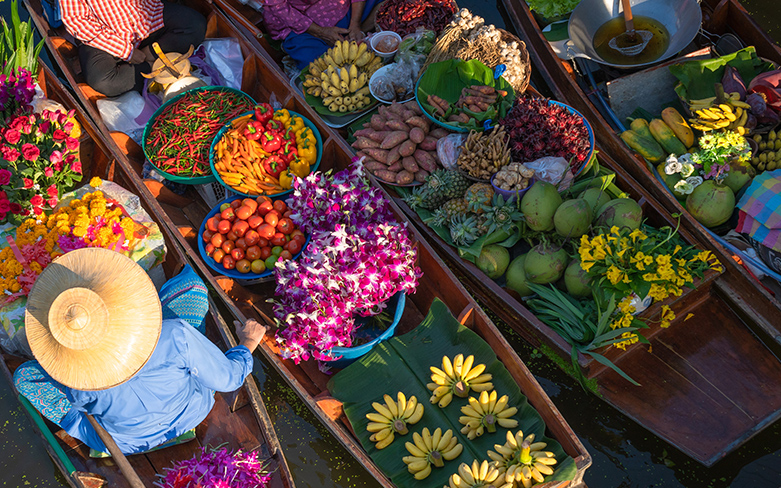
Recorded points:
263,113
296,123
289,135
307,151
283,116
289,152
270,141
304,133
286,179
253,130
299,167
274,166
275,126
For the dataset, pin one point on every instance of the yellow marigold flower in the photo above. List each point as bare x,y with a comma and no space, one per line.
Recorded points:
95,182
15,286
36,267
79,231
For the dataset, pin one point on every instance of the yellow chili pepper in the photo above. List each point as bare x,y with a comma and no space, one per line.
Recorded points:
286,179
296,123
299,167
307,151
283,116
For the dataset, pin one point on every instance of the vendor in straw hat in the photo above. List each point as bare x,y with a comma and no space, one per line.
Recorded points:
106,345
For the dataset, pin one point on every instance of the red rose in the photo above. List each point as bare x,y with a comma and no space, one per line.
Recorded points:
59,136
72,143
16,208
52,190
12,136
58,166
17,123
28,183
44,126
48,172
2,216
5,176
5,206
9,154
36,201
52,202
76,166
37,210
30,152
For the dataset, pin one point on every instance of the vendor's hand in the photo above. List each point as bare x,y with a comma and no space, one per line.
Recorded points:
332,34
355,33
137,57
250,333
150,58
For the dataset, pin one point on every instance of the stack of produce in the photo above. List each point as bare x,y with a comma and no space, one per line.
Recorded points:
406,16
484,154
399,144
513,177
340,76
179,138
251,235
768,155
475,99
661,137
265,151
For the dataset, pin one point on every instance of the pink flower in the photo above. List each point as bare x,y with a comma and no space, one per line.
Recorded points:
59,136
16,208
5,176
44,126
36,201
76,166
48,172
52,202
28,183
30,152
12,136
72,143
9,154
52,190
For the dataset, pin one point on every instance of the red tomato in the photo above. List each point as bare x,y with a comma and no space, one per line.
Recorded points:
297,232
278,239
252,237
285,255
243,266
252,253
288,213
266,231
228,246
212,223
251,203
262,242
280,206
241,243
228,214
217,240
254,221
231,236
293,246
228,262
262,198
218,255
237,253
240,227
285,225
272,219
207,235
265,207
224,226
243,212
209,248
265,252
236,204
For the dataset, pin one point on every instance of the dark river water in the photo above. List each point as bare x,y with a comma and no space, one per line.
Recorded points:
625,455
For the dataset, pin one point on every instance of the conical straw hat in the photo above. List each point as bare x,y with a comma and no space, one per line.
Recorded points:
93,318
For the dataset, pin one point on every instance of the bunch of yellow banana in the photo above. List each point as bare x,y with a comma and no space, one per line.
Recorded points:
457,378
522,461
481,475
485,413
768,157
340,76
392,418
429,449
730,115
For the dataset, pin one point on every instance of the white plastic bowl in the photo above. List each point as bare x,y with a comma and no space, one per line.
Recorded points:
376,38
379,74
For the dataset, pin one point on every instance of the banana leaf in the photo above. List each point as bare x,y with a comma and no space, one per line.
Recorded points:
402,364
698,76
446,79
317,102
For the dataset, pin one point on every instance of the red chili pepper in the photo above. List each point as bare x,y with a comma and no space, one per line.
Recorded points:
274,165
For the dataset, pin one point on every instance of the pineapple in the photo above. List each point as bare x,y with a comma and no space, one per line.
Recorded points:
478,197
447,211
417,198
443,185
483,226
463,230
502,215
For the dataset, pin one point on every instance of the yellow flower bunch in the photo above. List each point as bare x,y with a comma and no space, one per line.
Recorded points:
30,232
91,220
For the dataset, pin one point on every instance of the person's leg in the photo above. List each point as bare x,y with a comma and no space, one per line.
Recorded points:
45,394
182,27
109,75
185,297
304,48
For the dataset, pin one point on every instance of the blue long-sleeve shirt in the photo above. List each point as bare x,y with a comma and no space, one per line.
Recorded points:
171,394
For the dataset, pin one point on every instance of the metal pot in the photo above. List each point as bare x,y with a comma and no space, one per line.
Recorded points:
682,18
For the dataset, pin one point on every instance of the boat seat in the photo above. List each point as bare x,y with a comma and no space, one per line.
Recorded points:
186,437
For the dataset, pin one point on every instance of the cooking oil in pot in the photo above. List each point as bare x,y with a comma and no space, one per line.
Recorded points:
656,47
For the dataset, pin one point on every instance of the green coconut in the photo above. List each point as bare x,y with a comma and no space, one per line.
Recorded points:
545,264
539,204
516,276
573,218
739,175
621,212
711,204
577,281
596,197
493,260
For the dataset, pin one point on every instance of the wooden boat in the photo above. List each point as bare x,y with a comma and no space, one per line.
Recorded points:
184,216
238,420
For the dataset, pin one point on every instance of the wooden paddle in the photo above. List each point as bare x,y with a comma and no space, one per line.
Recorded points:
124,465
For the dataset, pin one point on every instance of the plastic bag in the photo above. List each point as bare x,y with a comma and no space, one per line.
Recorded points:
449,148
224,55
126,113
553,170
419,43
396,83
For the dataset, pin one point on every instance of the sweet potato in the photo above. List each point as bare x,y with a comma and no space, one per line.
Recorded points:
378,136
421,175
396,108
386,175
404,177
413,105
410,164
416,135
420,122
397,124
365,142
407,148
406,114
425,160
397,166
374,166
487,90
439,132
394,139
393,155
377,122
382,112
364,132
377,154
428,143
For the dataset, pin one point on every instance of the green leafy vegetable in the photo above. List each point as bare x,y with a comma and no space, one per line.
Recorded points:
17,48
552,8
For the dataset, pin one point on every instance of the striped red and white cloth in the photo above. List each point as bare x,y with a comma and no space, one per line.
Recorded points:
114,26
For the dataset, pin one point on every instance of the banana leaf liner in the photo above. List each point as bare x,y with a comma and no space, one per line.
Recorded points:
402,364
317,102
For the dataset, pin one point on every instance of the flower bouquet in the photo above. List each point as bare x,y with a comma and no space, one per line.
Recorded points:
218,468
357,259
